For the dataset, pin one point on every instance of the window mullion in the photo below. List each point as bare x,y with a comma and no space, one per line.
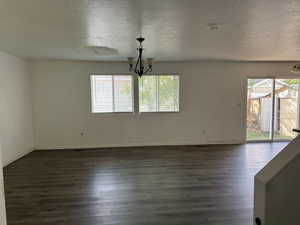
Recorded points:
93,91
113,92
273,109
157,94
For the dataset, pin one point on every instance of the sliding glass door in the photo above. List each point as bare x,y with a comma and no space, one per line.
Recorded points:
286,108
259,109
272,109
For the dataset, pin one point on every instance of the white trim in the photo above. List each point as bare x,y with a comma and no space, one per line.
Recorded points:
273,110
298,108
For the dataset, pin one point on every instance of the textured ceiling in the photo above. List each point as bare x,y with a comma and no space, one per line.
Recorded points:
174,29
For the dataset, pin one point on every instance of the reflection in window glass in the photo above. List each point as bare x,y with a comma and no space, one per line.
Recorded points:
286,108
159,93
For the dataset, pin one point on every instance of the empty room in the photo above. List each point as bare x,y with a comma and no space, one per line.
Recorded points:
139,112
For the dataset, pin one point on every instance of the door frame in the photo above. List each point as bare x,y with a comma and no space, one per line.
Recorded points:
273,77
3,219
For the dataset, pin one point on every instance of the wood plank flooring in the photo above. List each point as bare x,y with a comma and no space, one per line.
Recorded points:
173,185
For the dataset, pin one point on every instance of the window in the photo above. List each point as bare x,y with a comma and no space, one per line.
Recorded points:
111,93
272,109
159,93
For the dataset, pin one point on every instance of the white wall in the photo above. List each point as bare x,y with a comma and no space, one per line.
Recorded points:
276,192
212,105
16,129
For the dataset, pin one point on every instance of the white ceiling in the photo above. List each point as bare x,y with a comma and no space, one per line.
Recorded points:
174,29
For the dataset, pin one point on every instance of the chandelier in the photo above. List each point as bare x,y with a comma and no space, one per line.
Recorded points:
141,66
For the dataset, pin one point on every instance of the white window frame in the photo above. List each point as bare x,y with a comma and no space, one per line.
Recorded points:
157,93
134,94
113,90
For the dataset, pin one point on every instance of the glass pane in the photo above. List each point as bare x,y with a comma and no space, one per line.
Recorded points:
102,93
168,93
123,94
148,94
259,109
286,108
176,90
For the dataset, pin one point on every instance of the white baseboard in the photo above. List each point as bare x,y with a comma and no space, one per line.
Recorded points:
41,148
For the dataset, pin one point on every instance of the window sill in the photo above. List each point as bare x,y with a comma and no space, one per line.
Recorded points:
159,112
133,113
110,113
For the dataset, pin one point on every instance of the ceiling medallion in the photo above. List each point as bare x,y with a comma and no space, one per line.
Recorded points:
141,66
296,68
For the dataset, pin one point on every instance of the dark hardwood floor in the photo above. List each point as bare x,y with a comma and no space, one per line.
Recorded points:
179,185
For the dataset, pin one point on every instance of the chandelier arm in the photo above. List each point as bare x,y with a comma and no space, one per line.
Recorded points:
130,68
136,65
148,69
139,61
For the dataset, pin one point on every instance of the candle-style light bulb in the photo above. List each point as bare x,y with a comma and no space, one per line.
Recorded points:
150,61
130,60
